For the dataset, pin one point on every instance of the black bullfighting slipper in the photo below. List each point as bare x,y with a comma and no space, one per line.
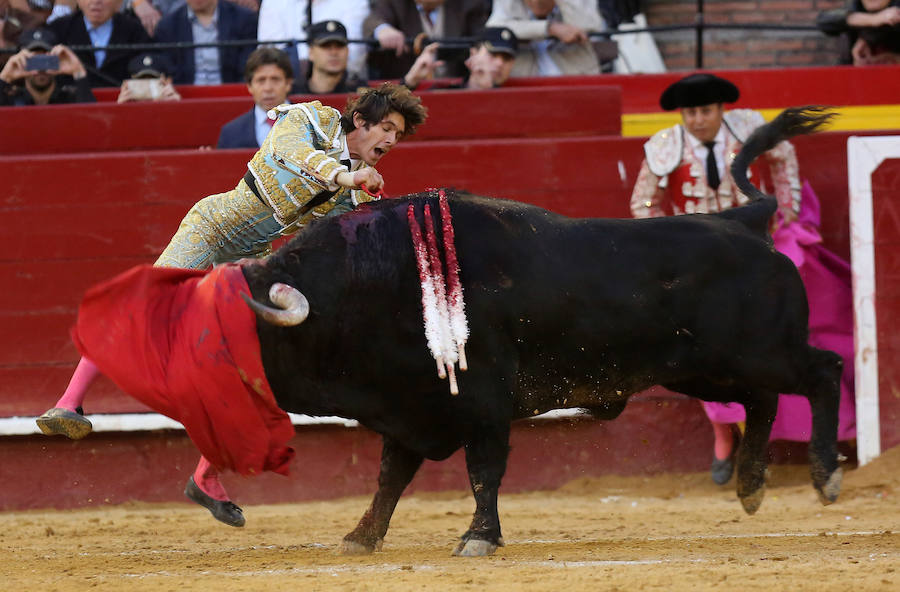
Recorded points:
63,422
721,470
225,512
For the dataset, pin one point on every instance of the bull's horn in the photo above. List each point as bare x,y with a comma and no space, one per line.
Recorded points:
293,307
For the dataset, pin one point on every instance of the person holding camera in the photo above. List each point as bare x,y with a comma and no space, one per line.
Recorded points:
151,80
488,63
328,54
30,76
393,22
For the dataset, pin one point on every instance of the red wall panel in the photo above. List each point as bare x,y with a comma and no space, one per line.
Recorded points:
886,216
458,114
761,88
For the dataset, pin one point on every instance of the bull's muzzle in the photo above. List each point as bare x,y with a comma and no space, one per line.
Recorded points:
293,307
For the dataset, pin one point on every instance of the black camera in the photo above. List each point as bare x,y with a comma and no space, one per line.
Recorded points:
452,52
42,63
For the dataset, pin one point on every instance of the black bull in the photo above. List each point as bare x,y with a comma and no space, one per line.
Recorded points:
563,313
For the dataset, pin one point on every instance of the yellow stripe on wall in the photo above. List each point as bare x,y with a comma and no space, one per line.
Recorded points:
851,118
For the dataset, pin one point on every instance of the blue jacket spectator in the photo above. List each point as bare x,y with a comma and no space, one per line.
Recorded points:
269,79
206,21
240,132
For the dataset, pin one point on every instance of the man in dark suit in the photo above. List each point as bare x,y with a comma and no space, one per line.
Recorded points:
391,22
269,79
206,21
98,23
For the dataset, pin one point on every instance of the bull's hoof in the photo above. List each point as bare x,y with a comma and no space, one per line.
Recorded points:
829,492
476,548
62,422
349,547
753,501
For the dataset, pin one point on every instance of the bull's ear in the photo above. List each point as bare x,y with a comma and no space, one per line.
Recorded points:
293,307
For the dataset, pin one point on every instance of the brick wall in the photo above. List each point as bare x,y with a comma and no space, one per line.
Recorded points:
744,49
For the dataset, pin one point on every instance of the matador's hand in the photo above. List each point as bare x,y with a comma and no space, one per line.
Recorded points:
368,176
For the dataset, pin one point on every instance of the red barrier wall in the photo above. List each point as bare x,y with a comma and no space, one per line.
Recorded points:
461,115
336,461
761,88
886,218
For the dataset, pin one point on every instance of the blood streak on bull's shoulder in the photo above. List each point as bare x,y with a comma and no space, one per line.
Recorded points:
455,302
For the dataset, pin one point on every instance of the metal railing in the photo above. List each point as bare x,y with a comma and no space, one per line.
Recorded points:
700,26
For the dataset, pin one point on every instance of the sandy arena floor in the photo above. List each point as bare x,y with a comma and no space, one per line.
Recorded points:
670,532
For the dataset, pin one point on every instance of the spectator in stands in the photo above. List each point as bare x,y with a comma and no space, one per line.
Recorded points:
327,69
288,19
323,158
98,23
269,79
686,170
489,63
874,27
553,35
394,22
147,11
208,21
21,86
151,80
17,16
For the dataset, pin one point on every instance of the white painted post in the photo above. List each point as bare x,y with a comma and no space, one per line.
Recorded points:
864,154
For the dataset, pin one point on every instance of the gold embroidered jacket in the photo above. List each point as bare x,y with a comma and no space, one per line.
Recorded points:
299,159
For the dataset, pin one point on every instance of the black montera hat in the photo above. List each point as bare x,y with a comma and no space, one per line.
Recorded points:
43,39
696,90
325,31
499,40
150,65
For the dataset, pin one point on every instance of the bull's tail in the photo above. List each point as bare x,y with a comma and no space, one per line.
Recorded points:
793,121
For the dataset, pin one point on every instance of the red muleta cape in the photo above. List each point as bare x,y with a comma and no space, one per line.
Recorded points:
184,343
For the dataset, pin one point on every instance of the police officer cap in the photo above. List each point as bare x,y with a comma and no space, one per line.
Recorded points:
40,39
150,65
696,90
325,31
499,40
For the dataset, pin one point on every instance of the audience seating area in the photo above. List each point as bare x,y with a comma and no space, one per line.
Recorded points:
93,189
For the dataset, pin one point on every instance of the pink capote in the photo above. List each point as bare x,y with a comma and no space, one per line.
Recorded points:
184,343
828,288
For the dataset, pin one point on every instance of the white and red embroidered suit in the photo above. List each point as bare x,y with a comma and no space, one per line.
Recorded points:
673,181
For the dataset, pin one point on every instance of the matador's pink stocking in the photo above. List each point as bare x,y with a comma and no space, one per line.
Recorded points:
724,440
84,375
206,477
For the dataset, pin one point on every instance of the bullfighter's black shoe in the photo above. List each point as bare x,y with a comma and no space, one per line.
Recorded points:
721,470
63,422
225,512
